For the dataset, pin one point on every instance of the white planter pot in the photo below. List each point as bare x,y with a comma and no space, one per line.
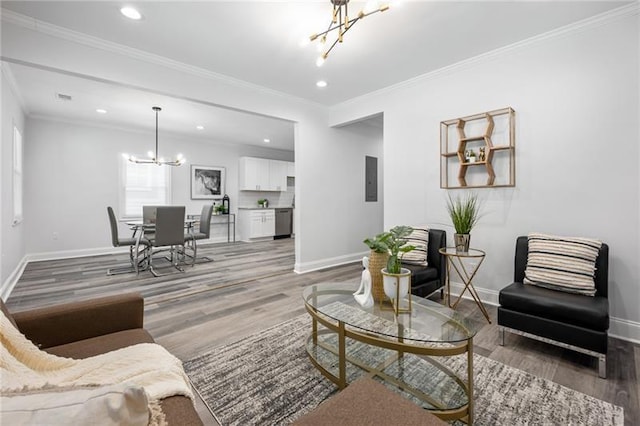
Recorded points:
390,283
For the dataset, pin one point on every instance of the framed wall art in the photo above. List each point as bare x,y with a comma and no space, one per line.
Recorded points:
207,182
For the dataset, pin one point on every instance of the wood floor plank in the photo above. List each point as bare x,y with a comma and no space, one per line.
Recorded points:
251,287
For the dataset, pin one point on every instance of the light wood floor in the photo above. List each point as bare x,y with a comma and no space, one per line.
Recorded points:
250,287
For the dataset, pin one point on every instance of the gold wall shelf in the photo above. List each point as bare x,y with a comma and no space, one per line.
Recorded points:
486,159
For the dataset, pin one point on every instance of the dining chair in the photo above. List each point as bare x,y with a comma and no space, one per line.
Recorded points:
204,230
149,217
123,242
169,235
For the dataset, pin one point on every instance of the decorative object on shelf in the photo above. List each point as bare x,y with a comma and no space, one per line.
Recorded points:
364,294
220,209
396,281
464,213
470,156
340,21
263,203
207,182
154,158
493,135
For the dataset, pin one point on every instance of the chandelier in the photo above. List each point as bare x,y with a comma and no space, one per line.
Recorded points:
154,158
340,21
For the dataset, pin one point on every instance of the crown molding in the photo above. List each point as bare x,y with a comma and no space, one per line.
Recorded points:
13,86
576,27
98,43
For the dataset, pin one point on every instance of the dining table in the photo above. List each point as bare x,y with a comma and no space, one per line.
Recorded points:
140,227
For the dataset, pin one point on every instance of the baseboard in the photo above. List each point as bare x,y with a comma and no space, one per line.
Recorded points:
624,329
12,280
67,254
618,327
304,267
489,297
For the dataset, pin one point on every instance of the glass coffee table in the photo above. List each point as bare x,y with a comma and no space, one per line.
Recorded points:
426,354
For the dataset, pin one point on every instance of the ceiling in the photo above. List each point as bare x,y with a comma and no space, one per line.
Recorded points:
259,42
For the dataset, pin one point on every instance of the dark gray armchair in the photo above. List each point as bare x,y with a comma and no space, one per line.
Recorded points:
572,321
427,279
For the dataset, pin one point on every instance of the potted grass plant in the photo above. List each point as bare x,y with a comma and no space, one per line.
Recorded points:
464,213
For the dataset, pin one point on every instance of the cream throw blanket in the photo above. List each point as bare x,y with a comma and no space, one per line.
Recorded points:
24,367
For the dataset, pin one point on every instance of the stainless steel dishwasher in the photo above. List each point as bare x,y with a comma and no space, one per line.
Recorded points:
283,222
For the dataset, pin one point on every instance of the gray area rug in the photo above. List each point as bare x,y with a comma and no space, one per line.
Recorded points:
267,379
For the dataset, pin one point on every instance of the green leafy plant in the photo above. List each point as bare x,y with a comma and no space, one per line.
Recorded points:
377,244
220,208
464,212
393,242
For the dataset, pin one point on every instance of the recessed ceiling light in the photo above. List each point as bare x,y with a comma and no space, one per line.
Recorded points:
321,83
200,127
101,111
131,13
266,140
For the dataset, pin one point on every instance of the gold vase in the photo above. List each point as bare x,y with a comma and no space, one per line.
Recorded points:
377,261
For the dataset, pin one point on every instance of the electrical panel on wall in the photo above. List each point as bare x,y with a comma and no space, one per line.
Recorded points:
371,179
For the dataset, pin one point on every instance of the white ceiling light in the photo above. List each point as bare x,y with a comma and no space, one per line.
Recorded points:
266,140
321,83
131,13
200,127
101,111
153,158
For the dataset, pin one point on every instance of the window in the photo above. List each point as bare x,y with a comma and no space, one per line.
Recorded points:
143,184
17,176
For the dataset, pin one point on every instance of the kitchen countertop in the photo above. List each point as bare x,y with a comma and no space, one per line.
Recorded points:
265,208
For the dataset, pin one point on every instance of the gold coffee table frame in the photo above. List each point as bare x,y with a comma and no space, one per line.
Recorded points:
401,346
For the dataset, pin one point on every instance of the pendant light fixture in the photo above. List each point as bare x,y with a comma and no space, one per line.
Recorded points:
154,158
340,21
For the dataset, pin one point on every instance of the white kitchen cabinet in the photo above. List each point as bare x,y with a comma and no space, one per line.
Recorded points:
291,169
254,174
277,175
261,174
255,224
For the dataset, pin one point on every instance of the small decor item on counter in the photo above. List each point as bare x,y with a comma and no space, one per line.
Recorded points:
464,213
220,209
482,156
263,202
364,294
226,203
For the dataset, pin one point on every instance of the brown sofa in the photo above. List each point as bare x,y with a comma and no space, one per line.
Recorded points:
83,329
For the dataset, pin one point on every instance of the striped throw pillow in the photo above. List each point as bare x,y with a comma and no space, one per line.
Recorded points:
562,263
420,239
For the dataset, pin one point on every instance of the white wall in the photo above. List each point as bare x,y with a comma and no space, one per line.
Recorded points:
577,120
333,181
72,174
12,244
